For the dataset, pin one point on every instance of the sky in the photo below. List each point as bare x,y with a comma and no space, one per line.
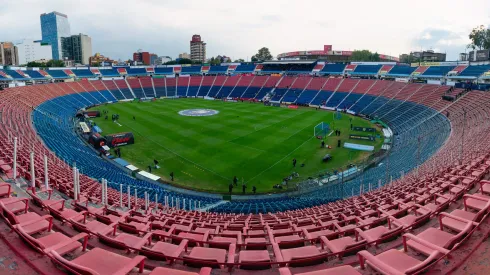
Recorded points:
239,28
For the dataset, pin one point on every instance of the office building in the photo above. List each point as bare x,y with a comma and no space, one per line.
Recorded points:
184,55
423,56
153,58
198,49
162,60
30,50
141,57
100,60
8,54
54,26
77,48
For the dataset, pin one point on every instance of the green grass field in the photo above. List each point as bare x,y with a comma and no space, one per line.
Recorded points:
251,141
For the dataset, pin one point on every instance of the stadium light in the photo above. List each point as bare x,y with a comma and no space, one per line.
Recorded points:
15,158
33,174
46,181
129,197
120,196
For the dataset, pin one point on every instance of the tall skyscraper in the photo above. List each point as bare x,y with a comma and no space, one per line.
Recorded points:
77,48
54,26
198,49
8,54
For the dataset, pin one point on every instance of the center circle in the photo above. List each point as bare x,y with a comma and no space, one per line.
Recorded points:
198,112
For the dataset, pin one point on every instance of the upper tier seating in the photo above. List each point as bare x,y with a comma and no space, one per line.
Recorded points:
245,68
218,69
191,70
400,70
166,71
475,71
34,74
109,72
366,70
83,73
334,69
421,222
437,71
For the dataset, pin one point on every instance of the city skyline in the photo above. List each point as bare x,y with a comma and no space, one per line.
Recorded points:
240,30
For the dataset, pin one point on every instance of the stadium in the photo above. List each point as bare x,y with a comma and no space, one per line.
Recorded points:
308,165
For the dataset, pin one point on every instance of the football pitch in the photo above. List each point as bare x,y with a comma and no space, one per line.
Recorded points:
253,142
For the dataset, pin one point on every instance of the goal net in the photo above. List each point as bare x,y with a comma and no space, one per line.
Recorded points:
321,130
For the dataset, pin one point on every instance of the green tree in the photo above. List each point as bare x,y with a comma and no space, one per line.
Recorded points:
55,63
364,55
262,55
185,61
480,38
33,64
361,55
171,62
239,60
214,61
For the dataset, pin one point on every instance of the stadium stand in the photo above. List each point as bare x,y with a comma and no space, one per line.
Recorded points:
164,71
182,85
109,72
191,70
122,85
228,86
171,86
110,85
366,70
313,88
241,86
333,69
218,69
474,71
136,71
420,70
57,74
159,84
245,69
255,86
343,90
147,86
194,85
401,71
35,74
83,73
437,71
430,220
206,84
217,85
16,75
385,69
135,86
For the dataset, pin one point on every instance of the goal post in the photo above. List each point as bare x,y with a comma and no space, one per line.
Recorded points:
321,130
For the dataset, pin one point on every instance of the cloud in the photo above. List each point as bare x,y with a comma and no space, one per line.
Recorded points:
441,40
